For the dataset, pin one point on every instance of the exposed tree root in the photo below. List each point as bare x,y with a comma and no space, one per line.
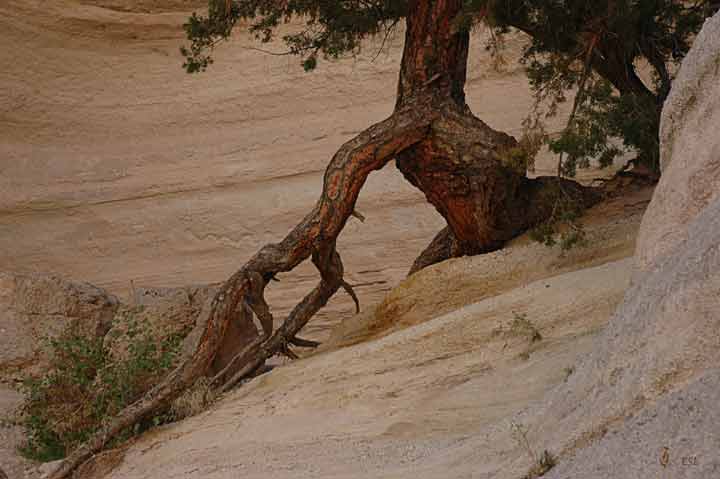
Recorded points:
440,147
536,200
443,246
315,236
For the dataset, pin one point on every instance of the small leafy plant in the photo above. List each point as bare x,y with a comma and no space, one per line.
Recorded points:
87,385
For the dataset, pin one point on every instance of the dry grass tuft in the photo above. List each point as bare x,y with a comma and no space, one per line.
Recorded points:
194,400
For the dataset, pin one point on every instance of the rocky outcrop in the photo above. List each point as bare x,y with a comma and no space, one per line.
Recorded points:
689,151
34,307
644,402
161,313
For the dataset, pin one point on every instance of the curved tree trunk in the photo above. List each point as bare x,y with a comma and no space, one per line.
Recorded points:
440,147
459,165
529,204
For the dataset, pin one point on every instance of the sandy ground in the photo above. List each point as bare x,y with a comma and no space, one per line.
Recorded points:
417,402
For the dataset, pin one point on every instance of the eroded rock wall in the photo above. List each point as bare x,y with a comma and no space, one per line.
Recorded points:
644,402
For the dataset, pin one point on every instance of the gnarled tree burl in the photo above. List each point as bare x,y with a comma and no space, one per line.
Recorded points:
440,147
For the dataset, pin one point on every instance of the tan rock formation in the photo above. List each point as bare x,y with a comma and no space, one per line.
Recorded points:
652,383
34,307
173,311
689,153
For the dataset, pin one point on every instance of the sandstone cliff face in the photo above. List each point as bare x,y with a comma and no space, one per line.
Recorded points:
689,151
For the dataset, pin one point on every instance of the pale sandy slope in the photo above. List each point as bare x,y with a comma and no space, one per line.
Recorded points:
423,391
116,166
418,403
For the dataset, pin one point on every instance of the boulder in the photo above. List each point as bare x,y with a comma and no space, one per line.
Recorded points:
34,307
160,313
689,151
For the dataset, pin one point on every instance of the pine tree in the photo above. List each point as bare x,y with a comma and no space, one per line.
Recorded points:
592,47
473,175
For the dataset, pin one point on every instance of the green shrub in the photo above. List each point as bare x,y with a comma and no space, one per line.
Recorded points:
88,385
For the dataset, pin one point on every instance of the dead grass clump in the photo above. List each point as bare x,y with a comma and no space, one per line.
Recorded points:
542,463
194,400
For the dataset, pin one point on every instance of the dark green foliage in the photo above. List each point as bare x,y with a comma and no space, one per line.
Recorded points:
331,28
580,45
589,134
594,47
87,386
206,32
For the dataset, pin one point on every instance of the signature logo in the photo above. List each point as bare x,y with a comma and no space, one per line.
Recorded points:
684,460
664,457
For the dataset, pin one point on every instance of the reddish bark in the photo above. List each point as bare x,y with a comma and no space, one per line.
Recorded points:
459,165
434,61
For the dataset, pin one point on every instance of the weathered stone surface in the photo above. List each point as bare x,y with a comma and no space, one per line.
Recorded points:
676,436
610,228
661,341
690,150
33,307
11,437
159,313
652,381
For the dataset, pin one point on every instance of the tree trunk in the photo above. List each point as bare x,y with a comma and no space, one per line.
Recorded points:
440,147
460,165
